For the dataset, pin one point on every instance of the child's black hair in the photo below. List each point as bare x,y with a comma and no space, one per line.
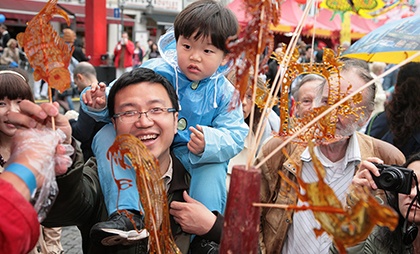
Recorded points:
210,19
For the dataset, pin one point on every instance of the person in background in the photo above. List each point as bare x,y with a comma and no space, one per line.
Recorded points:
384,241
10,56
84,127
272,125
123,53
399,124
376,69
305,92
154,52
78,51
340,159
138,55
149,45
65,98
309,55
40,90
5,37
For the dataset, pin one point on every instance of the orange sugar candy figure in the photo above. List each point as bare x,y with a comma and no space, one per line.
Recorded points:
47,53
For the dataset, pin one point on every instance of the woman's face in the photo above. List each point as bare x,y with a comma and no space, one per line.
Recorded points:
13,44
7,106
405,200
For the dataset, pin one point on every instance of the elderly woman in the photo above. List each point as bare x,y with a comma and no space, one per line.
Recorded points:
10,54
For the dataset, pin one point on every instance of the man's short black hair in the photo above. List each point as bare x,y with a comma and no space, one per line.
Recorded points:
210,19
138,75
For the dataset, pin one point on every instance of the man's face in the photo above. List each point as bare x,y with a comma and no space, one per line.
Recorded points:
156,135
347,125
198,59
307,95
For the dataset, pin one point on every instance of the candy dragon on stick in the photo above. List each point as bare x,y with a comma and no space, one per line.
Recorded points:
47,53
258,38
346,226
151,188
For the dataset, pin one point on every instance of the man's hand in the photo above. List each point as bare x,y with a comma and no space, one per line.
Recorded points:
95,97
193,216
363,176
197,143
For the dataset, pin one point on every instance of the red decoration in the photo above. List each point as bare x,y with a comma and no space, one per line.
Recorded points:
408,14
301,1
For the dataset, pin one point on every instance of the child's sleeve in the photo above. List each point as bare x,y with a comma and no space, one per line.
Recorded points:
225,138
100,115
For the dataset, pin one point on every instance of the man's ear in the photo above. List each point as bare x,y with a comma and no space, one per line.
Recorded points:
114,123
225,60
176,122
79,76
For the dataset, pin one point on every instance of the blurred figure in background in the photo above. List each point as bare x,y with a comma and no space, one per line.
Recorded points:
399,124
123,53
10,56
137,56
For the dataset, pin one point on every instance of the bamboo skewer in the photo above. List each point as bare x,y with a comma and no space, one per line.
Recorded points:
335,106
326,209
254,92
50,99
276,85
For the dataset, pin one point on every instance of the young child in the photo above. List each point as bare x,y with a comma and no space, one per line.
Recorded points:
194,59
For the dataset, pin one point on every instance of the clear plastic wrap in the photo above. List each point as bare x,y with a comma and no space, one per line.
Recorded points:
38,148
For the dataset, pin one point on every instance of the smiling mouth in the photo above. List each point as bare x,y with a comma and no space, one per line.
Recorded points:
149,137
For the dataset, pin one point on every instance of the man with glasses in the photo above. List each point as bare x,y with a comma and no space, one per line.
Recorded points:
145,105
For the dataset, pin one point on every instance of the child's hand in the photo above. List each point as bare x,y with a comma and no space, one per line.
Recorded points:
197,142
95,97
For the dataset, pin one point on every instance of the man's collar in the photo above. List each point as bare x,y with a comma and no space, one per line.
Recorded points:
352,152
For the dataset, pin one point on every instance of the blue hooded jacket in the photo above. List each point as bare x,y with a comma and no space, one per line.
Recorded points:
205,102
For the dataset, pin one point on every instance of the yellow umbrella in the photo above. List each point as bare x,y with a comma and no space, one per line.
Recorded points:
390,43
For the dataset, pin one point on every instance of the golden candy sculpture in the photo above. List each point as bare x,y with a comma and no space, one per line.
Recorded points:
152,191
47,53
346,226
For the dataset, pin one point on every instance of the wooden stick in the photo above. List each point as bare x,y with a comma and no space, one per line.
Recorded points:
254,92
325,209
276,85
50,98
335,106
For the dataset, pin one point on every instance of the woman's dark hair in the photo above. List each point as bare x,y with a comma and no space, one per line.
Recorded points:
210,19
393,239
403,111
138,75
13,85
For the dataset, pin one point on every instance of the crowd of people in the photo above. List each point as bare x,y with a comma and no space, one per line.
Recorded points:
175,97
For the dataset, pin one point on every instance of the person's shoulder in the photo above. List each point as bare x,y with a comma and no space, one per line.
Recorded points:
379,148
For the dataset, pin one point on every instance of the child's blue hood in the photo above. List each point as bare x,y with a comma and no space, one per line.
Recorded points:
167,49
